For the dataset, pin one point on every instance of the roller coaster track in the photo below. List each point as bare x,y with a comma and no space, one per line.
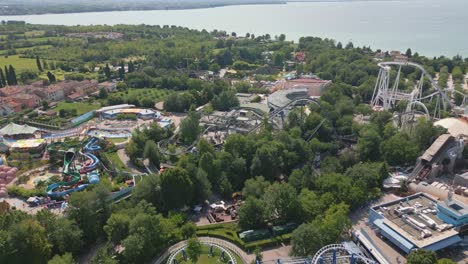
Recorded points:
163,144
336,253
385,65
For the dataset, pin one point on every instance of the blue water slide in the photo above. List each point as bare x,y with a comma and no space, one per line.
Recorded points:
92,145
93,177
94,162
53,186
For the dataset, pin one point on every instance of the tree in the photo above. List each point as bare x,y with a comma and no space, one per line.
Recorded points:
3,81
82,208
103,93
310,204
51,77
188,230
29,238
62,259
306,240
117,227
63,234
339,45
368,145
202,186
282,202
27,75
255,187
225,100
176,181
107,71
190,127
282,37
121,70
350,45
421,256
252,214
12,75
38,63
7,76
104,255
409,53
194,249
151,153
399,150
131,67
424,133
147,237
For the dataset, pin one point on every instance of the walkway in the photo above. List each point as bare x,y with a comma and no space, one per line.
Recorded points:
211,240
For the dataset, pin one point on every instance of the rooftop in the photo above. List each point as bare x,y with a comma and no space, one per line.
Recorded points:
455,126
115,107
417,215
437,146
14,129
455,206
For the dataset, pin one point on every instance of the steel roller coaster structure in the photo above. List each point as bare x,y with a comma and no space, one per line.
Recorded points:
387,94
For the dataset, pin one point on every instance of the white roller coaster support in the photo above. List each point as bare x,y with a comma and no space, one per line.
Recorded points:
337,253
381,90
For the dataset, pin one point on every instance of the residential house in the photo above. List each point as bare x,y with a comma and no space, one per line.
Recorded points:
27,100
110,86
76,96
55,93
87,87
12,90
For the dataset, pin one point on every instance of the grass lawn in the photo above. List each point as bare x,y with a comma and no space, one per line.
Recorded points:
81,108
154,94
20,64
117,140
205,259
34,33
114,158
23,50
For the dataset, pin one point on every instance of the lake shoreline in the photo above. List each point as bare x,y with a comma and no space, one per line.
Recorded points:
142,9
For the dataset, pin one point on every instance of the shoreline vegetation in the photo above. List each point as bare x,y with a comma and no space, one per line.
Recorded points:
48,7
31,7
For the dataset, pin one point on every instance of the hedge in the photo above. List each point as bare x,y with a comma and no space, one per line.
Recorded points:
228,231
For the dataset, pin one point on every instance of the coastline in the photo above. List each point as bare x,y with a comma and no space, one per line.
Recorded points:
272,2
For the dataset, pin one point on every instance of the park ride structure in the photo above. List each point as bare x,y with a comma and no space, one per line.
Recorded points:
225,254
72,181
387,94
231,123
344,253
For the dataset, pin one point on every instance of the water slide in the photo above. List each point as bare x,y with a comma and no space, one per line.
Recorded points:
92,161
67,172
89,167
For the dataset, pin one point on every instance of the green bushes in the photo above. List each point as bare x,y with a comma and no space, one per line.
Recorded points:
126,117
23,192
228,231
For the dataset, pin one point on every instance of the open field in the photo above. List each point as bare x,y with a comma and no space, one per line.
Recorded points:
114,158
154,94
81,108
20,64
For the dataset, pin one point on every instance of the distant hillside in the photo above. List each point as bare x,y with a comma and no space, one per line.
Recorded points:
27,7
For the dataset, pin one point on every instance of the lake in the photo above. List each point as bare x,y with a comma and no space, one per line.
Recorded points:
430,27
